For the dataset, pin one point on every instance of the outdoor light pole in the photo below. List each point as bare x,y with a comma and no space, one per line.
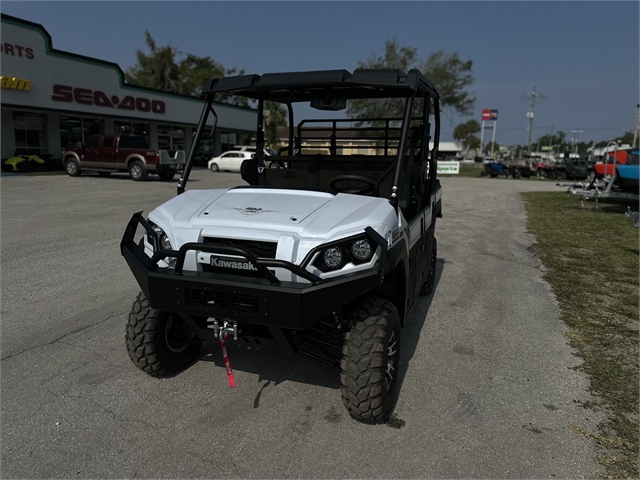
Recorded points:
637,129
576,138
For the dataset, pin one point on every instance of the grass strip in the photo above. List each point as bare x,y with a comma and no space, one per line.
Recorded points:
591,260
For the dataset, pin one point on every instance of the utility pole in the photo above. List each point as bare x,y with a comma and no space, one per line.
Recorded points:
576,138
637,130
531,112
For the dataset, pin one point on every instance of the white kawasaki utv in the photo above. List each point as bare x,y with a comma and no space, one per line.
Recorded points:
324,257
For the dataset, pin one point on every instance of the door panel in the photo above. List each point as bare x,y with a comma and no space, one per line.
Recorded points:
91,154
224,161
106,153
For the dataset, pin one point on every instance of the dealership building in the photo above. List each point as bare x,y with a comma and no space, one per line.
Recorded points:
51,99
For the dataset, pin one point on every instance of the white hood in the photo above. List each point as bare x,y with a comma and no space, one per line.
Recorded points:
265,206
305,213
296,220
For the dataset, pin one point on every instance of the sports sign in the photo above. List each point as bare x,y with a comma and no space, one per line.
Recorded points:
448,167
489,115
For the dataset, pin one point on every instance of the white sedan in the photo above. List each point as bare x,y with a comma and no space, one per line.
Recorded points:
229,161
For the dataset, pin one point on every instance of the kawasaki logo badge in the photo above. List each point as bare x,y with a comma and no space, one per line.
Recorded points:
234,264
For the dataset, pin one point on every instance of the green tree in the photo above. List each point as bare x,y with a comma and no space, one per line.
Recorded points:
194,71
626,138
277,117
465,132
163,69
496,148
156,70
473,143
450,75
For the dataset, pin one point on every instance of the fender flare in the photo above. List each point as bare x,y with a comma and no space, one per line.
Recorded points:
73,155
133,157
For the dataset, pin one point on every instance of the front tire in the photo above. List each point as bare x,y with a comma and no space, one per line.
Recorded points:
370,362
159,343
214,167
73,167
137,171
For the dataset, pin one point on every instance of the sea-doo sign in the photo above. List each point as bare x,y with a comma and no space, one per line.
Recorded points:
85,96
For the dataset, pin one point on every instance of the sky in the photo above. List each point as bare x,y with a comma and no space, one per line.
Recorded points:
582,57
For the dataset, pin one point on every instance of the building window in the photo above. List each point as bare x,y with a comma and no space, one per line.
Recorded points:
132,128
206,148
228,140
91,126
170,138
30,133
75,130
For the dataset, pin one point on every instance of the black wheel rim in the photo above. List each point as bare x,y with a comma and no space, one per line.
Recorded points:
178,335
392,361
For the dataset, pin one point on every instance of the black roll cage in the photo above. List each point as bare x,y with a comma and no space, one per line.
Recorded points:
288,88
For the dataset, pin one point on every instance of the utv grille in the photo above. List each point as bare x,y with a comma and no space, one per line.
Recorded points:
195,297
258,248
229,271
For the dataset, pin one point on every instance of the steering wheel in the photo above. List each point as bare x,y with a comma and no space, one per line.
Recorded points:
370,185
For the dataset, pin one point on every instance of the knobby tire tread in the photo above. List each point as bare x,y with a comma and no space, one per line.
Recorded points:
364,357
427,288
146,343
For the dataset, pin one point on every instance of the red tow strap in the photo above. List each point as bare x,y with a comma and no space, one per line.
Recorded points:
227,363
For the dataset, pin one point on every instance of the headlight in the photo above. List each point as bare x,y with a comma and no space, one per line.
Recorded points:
361,250
165,243
332,257
357,249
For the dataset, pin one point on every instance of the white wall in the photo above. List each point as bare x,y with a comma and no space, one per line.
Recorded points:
47,68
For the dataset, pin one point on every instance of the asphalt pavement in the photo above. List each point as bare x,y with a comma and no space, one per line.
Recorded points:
488,389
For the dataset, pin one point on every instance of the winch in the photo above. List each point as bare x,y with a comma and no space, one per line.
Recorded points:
228,328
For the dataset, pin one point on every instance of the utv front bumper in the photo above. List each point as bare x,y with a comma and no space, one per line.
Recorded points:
265,301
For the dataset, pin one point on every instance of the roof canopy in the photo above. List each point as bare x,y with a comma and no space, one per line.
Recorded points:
306,86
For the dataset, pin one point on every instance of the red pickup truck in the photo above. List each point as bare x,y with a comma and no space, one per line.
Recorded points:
109,153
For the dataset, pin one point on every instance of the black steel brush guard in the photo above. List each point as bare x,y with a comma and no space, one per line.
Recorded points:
265,301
